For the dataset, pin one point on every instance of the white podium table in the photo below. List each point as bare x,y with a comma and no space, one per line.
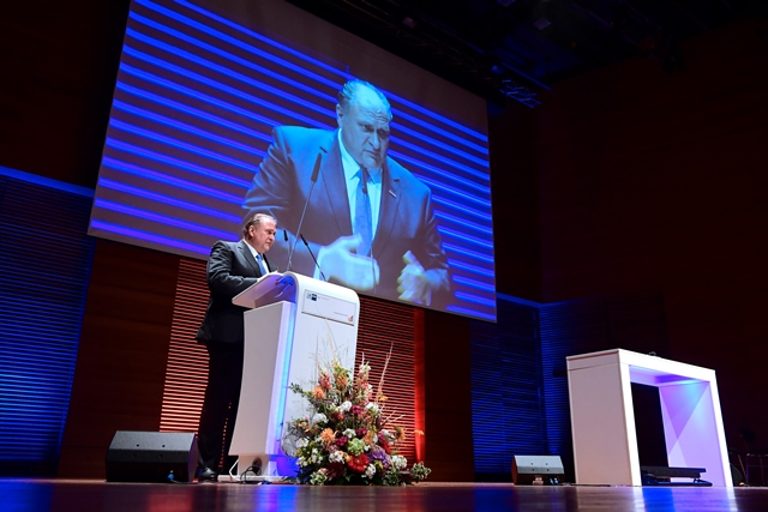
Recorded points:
295,323
603,418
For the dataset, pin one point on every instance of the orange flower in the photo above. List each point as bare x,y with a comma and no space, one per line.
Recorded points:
318,393
328,437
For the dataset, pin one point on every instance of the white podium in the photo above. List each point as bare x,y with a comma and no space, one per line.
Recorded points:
295,323
603,418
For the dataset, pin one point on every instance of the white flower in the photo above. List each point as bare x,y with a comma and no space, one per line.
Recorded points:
349,433
373,407
302,443
345,406
319,418
399,462
370,471
337,456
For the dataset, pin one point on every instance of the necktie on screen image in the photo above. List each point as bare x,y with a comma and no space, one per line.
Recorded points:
363,216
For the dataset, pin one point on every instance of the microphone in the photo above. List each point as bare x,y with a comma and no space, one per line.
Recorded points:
285,235
313,178
316,169
313,256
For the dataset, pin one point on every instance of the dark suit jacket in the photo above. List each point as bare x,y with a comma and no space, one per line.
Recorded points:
231,269
406,218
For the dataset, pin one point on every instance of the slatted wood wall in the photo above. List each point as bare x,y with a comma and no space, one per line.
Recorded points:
187,371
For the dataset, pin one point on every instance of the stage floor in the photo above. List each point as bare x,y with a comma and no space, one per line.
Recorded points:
87,495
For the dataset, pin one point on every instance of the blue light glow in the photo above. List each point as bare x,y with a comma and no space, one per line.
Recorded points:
163,178
45,182
149,237
184,205
186,128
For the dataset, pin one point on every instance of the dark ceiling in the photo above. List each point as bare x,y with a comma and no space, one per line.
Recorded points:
515,49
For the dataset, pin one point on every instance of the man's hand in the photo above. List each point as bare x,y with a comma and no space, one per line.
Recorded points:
413,283
339,262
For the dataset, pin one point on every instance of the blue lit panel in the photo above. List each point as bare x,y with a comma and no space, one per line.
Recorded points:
41,311
198,94
508,410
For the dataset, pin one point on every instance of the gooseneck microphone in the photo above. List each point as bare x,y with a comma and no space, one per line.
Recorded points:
315,173
313,257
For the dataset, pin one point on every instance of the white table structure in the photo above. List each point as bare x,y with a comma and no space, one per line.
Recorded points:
603,418
295,323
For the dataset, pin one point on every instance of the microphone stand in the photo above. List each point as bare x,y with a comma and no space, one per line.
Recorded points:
315,172
313,256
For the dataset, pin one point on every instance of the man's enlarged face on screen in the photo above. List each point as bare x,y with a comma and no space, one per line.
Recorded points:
364,127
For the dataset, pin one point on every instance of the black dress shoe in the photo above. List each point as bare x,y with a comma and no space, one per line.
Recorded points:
206,474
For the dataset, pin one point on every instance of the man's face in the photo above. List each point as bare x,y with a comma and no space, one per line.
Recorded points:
262,235
365,128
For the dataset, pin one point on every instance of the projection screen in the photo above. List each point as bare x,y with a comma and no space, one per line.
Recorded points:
200,89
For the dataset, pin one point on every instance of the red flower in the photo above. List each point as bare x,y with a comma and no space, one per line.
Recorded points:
358,463
325,381
342,441
335,470
384,443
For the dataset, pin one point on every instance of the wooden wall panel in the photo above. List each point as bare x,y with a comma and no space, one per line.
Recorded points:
123,352
447,397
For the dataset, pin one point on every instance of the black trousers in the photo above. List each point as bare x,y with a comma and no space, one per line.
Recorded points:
222,396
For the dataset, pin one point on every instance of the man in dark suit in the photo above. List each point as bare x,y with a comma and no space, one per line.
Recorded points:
369,221
232,267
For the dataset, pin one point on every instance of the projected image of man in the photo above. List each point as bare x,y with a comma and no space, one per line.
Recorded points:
369,221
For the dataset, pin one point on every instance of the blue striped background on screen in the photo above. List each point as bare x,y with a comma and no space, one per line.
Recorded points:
195,102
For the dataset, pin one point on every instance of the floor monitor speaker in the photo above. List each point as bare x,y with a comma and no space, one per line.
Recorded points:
135,456
537,469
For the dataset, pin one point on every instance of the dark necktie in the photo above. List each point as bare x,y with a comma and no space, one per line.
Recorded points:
363,217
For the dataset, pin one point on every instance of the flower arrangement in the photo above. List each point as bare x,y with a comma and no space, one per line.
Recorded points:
346,439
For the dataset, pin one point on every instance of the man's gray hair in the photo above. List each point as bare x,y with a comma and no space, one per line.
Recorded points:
347,94
255,220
